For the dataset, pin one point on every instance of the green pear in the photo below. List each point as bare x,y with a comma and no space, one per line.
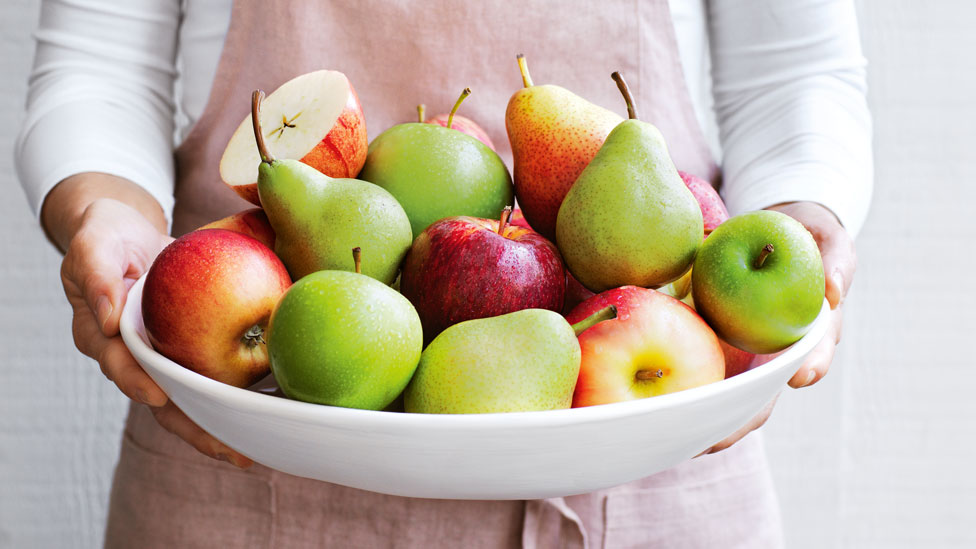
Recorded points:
317,219
436,172
629,219
522,361
344,339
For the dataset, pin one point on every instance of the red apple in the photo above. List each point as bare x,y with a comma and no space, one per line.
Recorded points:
656,345
519,219
736,360
315,118
576,293
714,212
464,125
207,301
253,222
462,268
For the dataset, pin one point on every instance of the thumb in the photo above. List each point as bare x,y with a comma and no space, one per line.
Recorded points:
96,270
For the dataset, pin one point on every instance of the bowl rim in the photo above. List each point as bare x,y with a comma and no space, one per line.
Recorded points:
133,334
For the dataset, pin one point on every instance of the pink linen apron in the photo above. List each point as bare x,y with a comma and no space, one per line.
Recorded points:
398,53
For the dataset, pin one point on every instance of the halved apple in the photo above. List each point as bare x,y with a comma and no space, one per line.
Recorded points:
315,118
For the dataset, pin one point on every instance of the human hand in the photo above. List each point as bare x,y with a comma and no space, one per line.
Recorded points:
111,247
840,262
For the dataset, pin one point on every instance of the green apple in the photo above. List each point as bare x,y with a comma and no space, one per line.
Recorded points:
436,172
759,281
344,339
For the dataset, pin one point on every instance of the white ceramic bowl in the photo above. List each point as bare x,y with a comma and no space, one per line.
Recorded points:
524,455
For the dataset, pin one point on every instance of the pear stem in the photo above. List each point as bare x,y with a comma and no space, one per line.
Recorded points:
625,91
607,313
503,222
645,375
420,112
763,254
524,69
450,118
257,96
357,258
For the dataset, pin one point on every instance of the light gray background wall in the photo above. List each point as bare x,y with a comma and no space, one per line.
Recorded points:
879,454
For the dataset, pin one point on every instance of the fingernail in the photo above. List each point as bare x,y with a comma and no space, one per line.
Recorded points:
838,277
241,462
103,310
810,377
143,396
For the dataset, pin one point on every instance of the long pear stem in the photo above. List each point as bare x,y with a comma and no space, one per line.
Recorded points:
450,118
420,112
607,313
625,90
257,96
763,254
357,258
503,222
524,69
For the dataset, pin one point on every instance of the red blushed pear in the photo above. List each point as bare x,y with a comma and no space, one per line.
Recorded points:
554,134
315,118
460,123
207,301
253,222
463,268
656,345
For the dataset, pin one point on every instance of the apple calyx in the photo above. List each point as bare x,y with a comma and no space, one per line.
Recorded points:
450,117
503,222
357,259
625,91
253,337
524,69
648,375
607,313
763,254
421,109
257,96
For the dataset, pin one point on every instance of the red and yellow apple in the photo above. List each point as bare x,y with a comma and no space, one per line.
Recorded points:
315,118
656,345
253,222
462,268
207,301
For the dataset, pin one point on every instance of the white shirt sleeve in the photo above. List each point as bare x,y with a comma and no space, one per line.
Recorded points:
789,86
100,96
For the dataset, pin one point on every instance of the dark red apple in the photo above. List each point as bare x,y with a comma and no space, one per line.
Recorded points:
207,301
462,268
656,345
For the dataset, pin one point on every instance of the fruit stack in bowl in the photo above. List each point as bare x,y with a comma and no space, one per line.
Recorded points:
397,276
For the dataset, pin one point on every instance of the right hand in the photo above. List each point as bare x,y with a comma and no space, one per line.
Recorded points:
113,246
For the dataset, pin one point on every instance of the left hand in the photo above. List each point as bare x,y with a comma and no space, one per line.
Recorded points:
840,262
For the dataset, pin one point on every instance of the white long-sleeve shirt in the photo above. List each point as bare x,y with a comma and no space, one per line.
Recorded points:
778,87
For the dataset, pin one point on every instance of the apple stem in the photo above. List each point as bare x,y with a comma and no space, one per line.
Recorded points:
357,259
256,98
253,337
607,313
625,90
420,112
763,254
645,375
503,222
524,69
450,118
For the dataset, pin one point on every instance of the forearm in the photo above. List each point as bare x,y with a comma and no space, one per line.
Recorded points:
65,206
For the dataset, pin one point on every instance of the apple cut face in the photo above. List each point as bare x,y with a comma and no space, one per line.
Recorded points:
315,118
